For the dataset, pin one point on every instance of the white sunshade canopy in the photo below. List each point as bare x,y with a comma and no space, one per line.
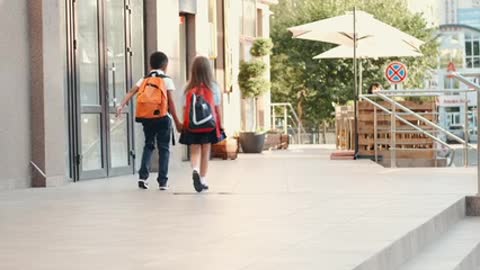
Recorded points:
372,50
339,30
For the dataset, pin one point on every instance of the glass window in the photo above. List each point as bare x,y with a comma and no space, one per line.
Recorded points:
469,62
468,48
88,59
115,43
476,62
119,141
476,48
91,142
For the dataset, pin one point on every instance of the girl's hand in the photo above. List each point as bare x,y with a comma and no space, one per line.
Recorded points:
179,126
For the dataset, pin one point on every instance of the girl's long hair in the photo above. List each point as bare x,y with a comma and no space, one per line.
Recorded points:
201,73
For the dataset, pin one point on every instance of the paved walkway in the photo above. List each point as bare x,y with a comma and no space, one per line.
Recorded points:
280,210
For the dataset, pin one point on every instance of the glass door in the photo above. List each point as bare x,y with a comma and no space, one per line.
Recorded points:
120,147
91,157
102,76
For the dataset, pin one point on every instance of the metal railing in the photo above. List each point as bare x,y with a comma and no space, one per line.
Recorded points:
298,129
393,130
422,121
388,96
475,87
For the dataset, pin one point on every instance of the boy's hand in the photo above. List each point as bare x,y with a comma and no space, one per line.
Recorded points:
119,111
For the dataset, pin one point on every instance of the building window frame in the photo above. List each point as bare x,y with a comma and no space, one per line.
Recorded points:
472,50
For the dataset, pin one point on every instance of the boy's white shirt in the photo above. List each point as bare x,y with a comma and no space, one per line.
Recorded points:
168,81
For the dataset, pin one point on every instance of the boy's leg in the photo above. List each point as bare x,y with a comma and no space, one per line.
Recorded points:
164,134
149,132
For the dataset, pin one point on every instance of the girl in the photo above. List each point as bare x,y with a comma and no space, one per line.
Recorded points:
201,84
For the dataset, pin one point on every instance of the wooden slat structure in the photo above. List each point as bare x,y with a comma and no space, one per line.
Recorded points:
345,124
416,144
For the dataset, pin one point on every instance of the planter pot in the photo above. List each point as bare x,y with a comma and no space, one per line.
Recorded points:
272,141
227,149
252,142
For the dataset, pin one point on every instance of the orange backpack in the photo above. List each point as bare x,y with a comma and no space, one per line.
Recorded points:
152,99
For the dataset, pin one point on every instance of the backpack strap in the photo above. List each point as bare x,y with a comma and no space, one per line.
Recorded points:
156,74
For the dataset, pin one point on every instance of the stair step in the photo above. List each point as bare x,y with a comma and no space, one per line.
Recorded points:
457,249
408,246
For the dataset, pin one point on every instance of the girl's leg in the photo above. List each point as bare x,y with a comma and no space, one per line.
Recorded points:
204,163
195,156
195,159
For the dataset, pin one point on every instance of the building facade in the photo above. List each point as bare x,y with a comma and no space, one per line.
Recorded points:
458,24
459,37
68,63
459,51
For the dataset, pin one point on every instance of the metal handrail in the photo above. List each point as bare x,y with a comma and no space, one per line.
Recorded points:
421,91
477,88
451,150
297,123
464,80
425,120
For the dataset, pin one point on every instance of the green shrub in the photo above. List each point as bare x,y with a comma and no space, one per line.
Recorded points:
261,47
250,79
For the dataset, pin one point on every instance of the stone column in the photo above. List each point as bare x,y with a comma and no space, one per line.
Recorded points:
47,54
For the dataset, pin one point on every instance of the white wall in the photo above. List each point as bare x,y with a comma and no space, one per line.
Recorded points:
14,97
266,33
202,35
232,101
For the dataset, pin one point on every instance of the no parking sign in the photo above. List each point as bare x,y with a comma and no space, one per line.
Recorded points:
396,72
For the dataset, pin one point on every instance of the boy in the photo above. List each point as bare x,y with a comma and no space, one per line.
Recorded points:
154,117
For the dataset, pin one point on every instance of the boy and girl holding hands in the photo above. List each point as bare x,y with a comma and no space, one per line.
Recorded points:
155,103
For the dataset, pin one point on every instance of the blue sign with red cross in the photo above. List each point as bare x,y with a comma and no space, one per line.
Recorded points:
396,72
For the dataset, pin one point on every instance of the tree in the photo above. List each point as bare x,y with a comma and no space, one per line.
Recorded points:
327,82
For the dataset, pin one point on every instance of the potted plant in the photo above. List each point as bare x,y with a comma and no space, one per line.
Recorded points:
253,84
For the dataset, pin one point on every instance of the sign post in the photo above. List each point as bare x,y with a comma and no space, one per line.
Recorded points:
396,73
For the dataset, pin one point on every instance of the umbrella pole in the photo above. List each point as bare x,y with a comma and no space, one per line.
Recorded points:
355,79
360,76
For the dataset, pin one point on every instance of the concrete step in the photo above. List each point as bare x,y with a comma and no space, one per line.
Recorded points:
458,249
401,250
416,163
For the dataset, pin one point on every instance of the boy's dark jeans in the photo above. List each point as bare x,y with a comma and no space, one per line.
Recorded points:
159,130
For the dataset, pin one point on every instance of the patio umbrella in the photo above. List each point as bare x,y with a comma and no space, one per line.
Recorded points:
351,30
397,48
378,50
342,29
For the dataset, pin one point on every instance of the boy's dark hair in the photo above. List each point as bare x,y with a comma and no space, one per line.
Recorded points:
158,60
